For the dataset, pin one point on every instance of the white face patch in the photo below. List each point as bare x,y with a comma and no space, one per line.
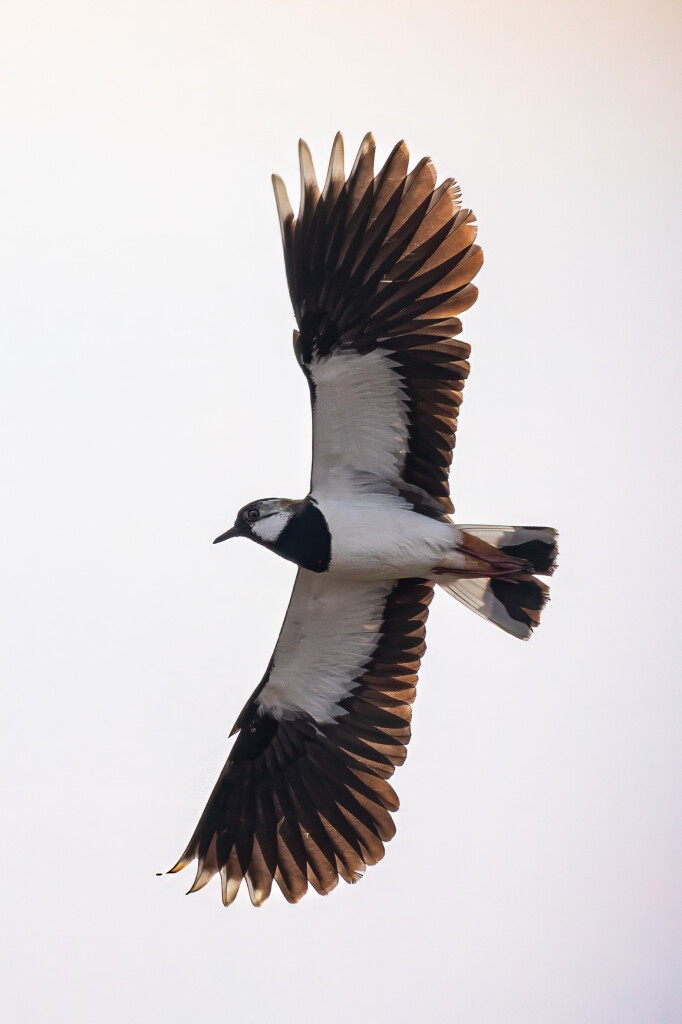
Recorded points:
360,419
329,633
270,527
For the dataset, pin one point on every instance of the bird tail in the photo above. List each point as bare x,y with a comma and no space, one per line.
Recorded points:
507,592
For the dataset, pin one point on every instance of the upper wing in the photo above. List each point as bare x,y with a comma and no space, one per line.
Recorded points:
378,269
303,796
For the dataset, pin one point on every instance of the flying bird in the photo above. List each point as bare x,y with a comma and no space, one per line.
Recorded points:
379,267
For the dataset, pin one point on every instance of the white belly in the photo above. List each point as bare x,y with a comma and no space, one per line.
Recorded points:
379,539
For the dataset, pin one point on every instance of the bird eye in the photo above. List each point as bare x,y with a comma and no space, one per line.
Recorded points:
252,514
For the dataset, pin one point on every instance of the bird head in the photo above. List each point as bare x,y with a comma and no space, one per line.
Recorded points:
262,520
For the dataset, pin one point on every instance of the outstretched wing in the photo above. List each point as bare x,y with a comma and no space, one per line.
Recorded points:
379,267
303,797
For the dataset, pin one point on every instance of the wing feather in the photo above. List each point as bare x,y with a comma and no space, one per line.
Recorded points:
381,264
305,800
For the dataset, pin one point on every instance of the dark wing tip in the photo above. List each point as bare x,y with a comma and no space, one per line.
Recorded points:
304,804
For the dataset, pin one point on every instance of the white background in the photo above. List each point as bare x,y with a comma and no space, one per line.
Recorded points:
148,390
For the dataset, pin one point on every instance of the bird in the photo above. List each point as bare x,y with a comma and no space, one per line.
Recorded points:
379,266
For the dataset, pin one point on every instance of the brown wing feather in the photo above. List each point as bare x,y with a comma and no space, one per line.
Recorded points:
386,261
303,804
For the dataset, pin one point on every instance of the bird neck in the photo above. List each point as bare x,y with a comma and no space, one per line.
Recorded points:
305,539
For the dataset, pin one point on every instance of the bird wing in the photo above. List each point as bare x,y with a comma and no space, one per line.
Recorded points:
378,268
303,797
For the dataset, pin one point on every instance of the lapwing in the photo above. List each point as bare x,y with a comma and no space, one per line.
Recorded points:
379,267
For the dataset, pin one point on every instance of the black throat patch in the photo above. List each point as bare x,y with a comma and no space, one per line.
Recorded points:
305,539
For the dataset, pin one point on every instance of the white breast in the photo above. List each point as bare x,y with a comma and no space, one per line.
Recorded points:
382,538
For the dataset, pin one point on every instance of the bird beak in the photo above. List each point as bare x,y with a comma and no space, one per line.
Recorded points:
234,532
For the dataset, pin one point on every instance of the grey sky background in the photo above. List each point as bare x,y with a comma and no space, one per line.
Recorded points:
148,389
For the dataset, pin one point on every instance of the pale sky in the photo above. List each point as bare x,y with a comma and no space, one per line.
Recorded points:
148,390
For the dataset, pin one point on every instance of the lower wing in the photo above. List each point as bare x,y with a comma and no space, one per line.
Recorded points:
304,797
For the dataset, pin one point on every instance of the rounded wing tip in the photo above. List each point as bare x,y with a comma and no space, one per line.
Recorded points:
185,859
284,210
306,163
